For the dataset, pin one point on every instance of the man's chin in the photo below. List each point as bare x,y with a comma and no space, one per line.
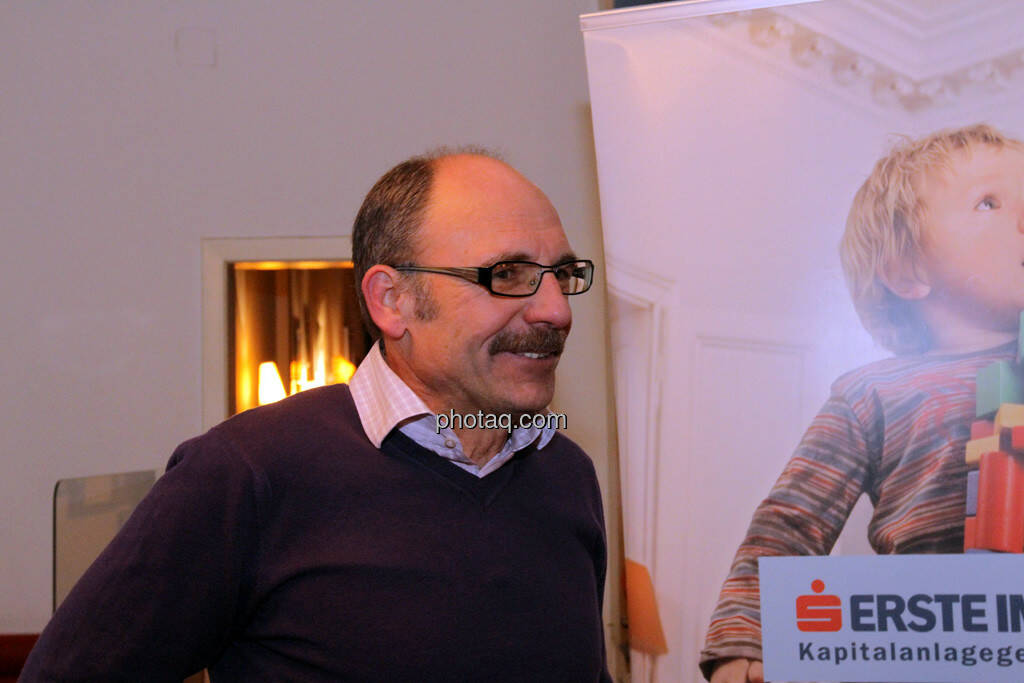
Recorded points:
531,406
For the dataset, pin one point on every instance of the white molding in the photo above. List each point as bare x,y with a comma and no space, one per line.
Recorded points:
673,11
756,345
918,45
637,284
217,254
816,75
831,46
891,55
650,295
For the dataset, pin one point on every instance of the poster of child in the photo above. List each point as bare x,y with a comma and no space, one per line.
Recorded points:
732,151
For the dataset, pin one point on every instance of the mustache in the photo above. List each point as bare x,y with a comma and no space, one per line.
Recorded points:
544,340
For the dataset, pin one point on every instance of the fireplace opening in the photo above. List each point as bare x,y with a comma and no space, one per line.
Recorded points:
293,325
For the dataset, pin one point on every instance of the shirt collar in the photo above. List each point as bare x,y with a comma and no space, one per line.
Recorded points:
382,399
385,402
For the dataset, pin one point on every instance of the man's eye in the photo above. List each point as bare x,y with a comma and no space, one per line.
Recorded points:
509,271
987,204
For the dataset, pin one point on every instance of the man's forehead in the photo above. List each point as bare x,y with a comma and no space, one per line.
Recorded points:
481,185
486,240
484,208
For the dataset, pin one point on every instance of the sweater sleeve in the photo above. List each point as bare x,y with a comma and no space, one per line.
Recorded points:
802,515
161,601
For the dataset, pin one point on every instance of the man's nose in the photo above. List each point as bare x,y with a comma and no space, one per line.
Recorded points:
549,304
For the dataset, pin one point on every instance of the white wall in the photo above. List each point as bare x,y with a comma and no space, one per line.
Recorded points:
118,159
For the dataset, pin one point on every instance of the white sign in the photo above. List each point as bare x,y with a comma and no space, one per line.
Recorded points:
893,618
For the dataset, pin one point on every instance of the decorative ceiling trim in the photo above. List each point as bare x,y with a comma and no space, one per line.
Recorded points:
817,53
918,40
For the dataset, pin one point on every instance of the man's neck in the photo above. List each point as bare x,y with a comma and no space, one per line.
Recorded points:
480,445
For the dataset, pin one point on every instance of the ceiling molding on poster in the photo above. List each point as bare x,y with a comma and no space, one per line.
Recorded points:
801,45
777,57
920,40
674,11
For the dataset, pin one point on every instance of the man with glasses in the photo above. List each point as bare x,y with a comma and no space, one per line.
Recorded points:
340,534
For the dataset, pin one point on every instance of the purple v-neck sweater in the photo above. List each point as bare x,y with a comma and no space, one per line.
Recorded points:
282,546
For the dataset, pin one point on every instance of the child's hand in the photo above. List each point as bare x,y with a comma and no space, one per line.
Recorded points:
738,670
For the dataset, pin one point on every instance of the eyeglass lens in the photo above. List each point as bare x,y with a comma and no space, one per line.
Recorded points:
524,278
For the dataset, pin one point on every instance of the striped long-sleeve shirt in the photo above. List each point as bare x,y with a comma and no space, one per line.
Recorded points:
895,430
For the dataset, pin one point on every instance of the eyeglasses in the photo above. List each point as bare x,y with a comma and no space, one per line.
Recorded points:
520,278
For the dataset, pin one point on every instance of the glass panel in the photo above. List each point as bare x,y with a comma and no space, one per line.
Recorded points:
87,513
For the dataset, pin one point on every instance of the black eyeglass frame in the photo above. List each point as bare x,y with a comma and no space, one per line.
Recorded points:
484,276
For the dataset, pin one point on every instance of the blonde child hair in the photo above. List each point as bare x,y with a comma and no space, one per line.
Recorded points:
885,230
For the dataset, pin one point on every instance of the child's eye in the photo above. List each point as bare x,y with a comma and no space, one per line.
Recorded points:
987,204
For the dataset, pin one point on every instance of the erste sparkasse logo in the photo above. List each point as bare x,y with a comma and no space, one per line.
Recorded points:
817,613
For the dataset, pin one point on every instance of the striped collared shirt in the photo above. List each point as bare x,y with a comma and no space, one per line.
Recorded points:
385,402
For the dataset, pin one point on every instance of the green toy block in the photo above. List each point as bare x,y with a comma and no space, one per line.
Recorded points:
998,383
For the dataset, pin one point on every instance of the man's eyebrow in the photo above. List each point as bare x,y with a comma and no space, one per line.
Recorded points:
523,256
568,256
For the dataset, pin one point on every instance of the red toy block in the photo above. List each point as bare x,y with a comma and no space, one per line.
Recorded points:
982,428
1017,438
970,533
1000,518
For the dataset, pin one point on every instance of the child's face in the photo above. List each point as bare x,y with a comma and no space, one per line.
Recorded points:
973,257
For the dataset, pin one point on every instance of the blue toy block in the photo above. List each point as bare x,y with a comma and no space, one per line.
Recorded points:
1020,340
972,493
998,383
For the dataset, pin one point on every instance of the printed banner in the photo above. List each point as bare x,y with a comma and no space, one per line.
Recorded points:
893,618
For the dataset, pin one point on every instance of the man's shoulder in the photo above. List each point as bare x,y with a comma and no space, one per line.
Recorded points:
296,427
327,407
560,442
562,451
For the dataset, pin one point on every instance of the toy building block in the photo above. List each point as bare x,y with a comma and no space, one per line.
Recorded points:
982,428
1016,438
1000,508
977,447
1009,415
970,533
1020,340
998,383
972,493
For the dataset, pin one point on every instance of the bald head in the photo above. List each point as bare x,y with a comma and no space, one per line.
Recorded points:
472,194
423,188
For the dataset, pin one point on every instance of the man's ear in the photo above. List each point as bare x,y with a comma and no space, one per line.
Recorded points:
906,280
383,294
